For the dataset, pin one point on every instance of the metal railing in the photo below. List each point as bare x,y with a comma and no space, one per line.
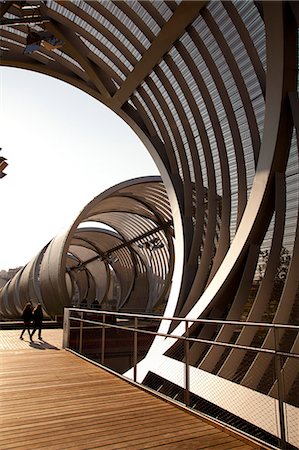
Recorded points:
119,341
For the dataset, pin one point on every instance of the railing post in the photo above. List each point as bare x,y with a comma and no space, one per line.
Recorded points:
81,333
103,341
187,367
280,392
135,347
66,328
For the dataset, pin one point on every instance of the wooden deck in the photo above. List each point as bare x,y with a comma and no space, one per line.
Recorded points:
52,399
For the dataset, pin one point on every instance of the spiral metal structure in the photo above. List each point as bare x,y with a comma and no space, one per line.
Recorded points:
118,254
210,87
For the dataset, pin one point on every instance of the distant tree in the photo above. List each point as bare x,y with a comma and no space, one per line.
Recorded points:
282,268
279,279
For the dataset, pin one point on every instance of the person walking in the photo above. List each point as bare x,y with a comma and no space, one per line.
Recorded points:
37,317
27,317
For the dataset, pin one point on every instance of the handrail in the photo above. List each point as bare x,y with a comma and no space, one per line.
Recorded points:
183,338
187,319
77,315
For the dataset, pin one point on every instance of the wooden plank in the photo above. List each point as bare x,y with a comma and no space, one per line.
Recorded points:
56,400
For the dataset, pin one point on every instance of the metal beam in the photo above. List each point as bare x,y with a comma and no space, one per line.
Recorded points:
104,255
74,47
183,16
4,7
24,20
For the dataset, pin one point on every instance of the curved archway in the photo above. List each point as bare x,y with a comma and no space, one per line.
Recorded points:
62,145
121,241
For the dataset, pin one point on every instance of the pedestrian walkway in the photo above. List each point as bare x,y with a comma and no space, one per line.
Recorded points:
55,400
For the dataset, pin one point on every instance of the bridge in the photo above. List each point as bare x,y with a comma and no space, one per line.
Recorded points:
51,398
211,89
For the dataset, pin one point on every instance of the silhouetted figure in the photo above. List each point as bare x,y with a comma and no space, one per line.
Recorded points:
37,317
83,303
27,317
95,304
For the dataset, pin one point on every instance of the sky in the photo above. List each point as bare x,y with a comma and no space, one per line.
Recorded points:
63,148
